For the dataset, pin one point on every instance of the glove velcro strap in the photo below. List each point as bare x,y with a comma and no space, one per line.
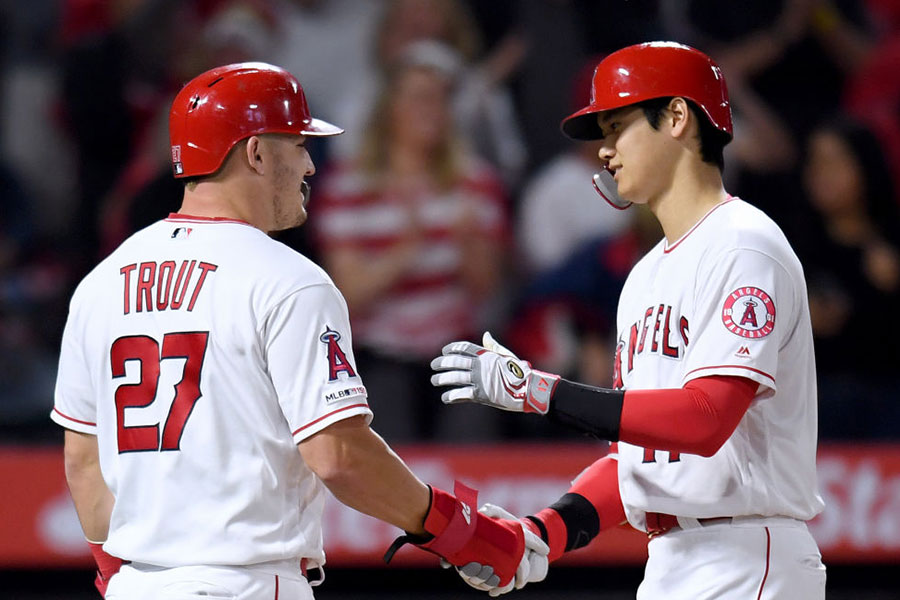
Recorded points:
450,520
540,390
107,566
463,535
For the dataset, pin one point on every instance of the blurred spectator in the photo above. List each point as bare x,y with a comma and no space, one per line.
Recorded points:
145,190
412,232
784,78
482,105
34,281
872,89
853,273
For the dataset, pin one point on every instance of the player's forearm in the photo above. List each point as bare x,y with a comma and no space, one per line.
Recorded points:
591,505
696,419
92,498
362,471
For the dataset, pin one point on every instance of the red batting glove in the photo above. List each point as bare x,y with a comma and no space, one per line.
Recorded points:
462,535
107,566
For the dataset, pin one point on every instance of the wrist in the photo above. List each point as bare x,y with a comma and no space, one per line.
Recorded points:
541,387
549,525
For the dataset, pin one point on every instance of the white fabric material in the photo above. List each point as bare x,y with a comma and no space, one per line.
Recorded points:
729,298
767,559
235,490
145,582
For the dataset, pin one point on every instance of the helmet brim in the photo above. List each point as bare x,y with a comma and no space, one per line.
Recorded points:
582,125
320,128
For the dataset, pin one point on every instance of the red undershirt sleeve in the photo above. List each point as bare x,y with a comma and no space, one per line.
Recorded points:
696,419
567,523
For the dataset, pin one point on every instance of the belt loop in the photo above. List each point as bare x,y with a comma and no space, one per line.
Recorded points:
688,522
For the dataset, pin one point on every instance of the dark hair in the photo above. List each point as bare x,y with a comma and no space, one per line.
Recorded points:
712,140
879,191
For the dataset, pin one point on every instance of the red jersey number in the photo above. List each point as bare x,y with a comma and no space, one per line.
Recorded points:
190,346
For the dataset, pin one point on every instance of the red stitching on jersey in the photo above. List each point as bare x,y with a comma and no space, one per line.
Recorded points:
177,217
697,224
768,554
328,415
763,373
64,415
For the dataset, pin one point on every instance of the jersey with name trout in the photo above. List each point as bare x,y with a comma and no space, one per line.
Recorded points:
727,298
200,353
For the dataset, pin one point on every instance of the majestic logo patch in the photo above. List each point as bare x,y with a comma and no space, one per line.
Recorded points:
337,360
749,312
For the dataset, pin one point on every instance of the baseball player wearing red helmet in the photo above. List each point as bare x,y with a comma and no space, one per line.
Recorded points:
712,412
208,386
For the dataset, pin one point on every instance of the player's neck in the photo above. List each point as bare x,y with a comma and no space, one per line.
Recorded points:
691,196
213,200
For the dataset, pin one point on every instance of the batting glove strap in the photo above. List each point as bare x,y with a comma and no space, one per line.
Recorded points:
462,535
107,566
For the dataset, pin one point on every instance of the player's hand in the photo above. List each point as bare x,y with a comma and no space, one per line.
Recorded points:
491,375
532,567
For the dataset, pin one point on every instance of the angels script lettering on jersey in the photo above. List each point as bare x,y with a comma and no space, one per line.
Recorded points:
660,332
149,286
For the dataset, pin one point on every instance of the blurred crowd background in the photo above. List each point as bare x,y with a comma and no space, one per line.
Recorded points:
453,204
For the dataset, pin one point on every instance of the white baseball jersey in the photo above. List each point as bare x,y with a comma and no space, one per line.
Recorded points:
728,298
200,353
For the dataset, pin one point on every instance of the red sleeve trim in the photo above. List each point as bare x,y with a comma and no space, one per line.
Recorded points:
334,412
746,368
73,419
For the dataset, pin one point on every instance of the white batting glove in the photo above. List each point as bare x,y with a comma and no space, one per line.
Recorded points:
491,375
533,566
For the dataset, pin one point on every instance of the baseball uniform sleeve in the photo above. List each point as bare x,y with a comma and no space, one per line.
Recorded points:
74,405
744,307
309,351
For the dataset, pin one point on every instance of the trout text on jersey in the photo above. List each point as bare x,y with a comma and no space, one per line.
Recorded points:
150,286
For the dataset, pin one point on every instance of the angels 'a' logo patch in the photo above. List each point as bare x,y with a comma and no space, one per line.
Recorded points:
749,312
337,360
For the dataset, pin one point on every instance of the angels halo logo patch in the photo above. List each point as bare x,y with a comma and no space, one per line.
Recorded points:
749,312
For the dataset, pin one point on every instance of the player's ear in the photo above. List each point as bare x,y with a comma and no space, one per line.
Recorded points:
253,154
679,116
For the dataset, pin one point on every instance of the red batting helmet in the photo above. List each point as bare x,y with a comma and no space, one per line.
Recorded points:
225,105
653,70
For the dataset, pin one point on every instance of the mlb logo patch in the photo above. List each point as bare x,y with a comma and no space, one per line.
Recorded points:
176,160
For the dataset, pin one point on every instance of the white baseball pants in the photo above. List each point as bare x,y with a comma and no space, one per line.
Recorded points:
747,558
145,582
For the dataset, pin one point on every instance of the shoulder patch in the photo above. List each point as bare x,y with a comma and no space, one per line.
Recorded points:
749,312
337,360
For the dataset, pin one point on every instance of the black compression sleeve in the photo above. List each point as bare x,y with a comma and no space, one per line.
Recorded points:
593,410
581,519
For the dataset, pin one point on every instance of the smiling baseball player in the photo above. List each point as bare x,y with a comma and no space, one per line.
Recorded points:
713,405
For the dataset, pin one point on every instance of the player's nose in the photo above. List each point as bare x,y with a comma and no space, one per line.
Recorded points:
606,152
